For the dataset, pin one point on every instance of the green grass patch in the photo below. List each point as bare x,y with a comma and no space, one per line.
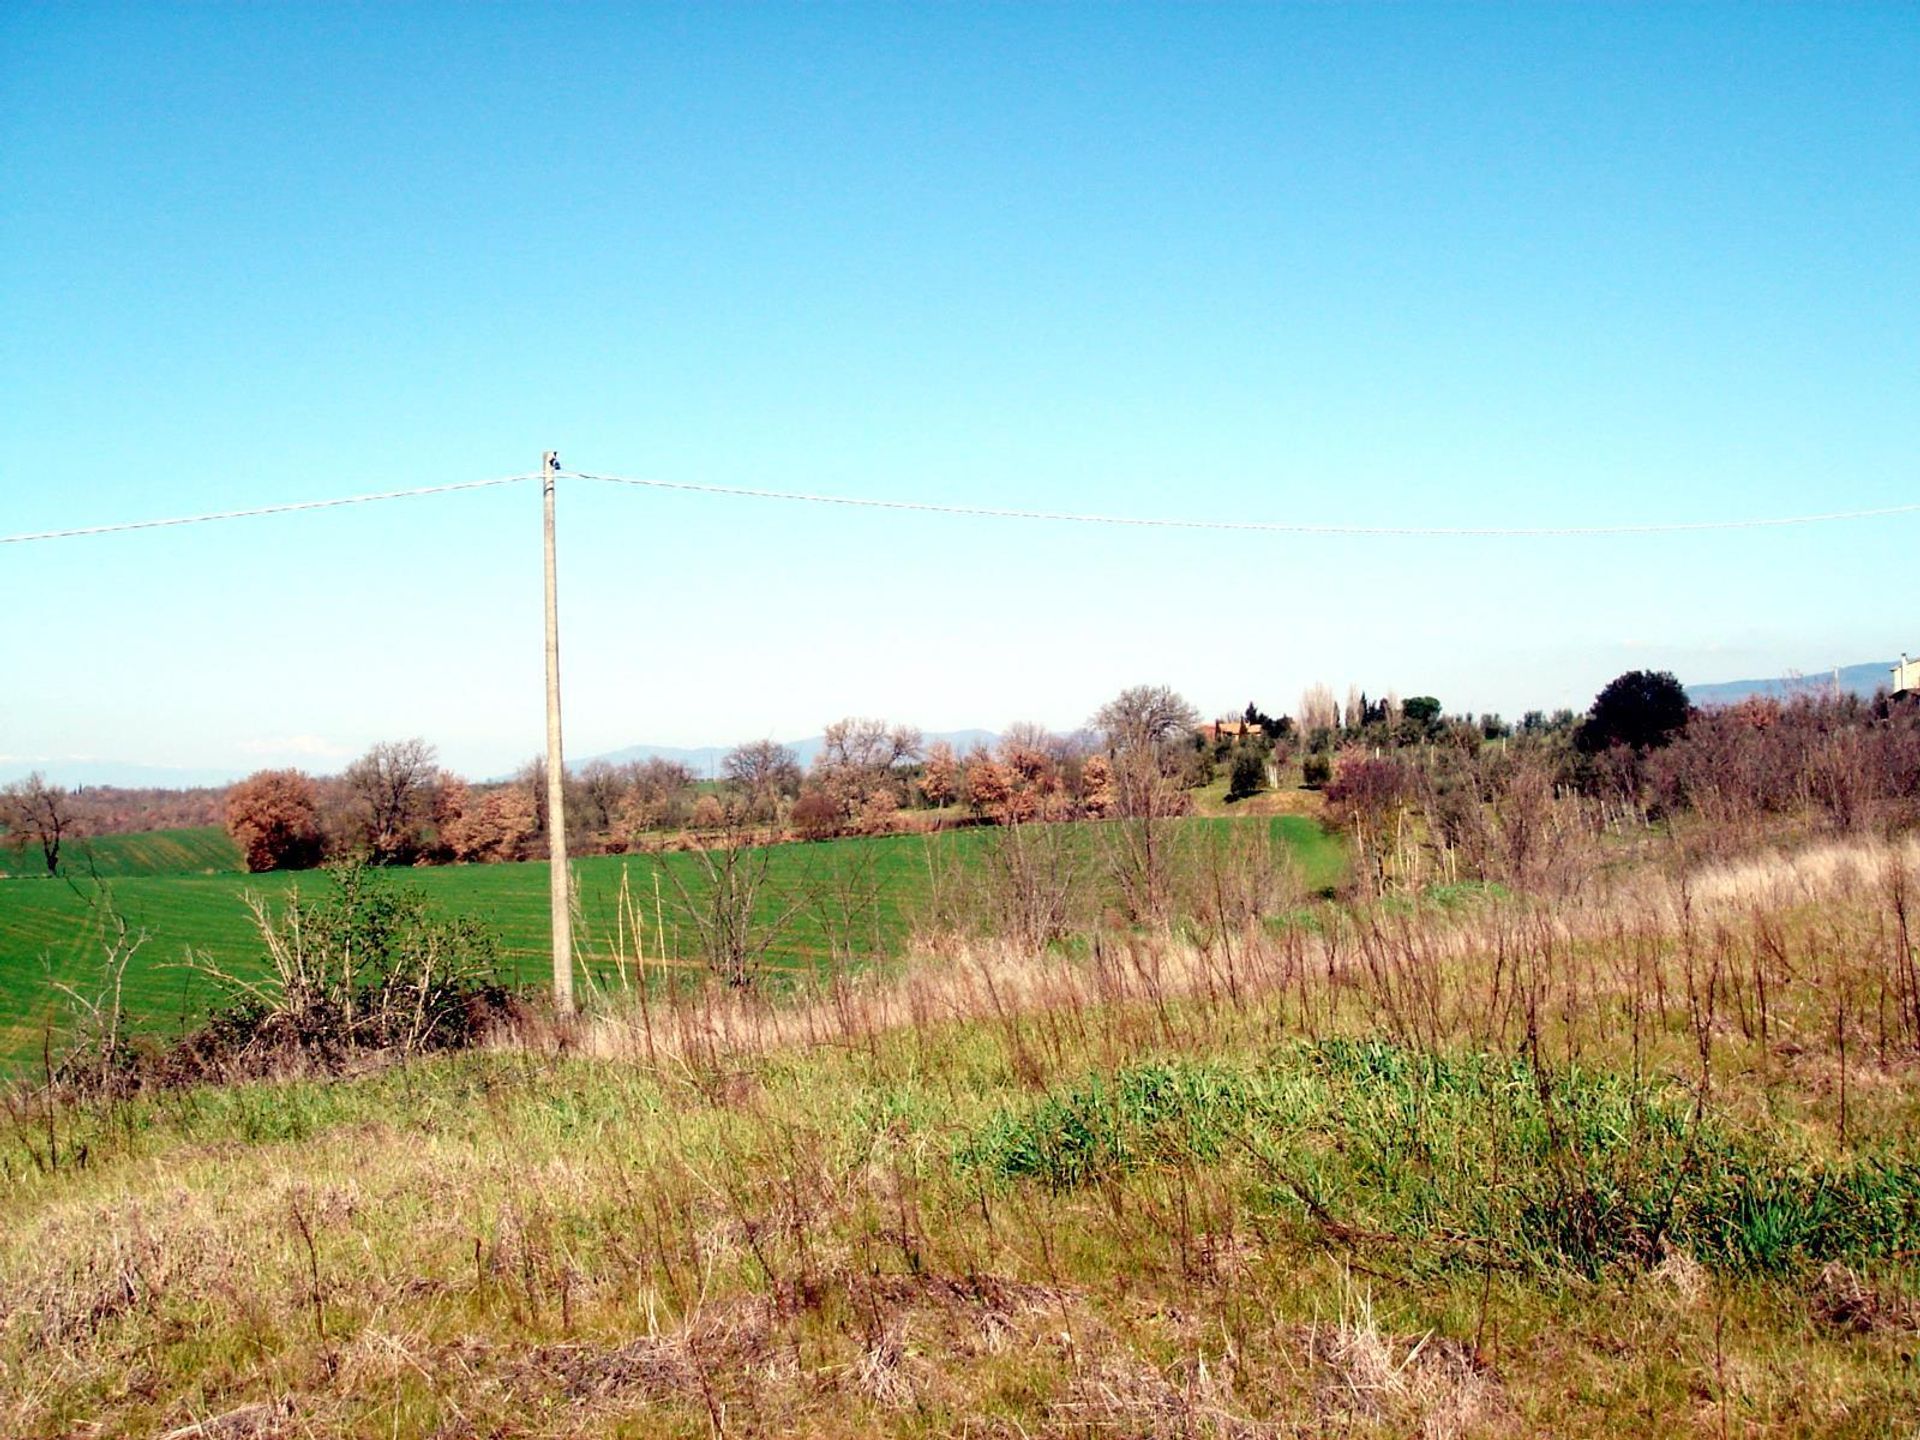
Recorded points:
1467,1159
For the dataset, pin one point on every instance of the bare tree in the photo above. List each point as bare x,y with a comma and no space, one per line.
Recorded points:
36,813
1356,711
859,760
844,891
765,772
1030,737
1034,879
1145,729
658,794
392,791
730,904
1318,709
1145,715
598,789
863,744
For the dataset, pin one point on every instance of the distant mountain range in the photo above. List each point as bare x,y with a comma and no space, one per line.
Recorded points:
705,759
1852,679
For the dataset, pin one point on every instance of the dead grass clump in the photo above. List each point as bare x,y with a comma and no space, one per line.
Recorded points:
903,1338
1114,1392
725,1342
1680,1276
266,1420
881,1373
1427,1385
1846,1302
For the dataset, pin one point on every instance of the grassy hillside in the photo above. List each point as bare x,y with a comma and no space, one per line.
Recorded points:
190,850
1584,1169
50,930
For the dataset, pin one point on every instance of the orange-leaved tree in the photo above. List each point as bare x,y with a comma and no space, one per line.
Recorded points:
274,815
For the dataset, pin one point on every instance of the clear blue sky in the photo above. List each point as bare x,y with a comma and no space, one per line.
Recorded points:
1395,265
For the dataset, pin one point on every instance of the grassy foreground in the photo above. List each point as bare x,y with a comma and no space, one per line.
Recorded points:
1600,1168
50,929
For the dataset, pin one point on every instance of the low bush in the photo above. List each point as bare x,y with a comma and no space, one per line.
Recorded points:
367,968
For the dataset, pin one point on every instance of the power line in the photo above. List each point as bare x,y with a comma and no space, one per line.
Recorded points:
1284,527
929,507
248,514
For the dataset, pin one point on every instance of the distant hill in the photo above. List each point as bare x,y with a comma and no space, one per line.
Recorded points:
1854,679
705,759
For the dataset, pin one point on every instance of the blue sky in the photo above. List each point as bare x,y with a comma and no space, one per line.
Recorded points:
1392,265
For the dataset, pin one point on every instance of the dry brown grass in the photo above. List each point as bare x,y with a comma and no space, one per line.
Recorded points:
1786,955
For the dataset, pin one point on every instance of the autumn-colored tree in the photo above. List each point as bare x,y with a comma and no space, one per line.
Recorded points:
274,816
1025,802
1096,787
1033,760
988,784
502,824
877,815
940,778
816,815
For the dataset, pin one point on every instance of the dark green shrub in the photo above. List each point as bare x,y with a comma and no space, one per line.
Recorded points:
1248,774
1642,710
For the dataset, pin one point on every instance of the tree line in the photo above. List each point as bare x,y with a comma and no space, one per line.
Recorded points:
396,805
1640,748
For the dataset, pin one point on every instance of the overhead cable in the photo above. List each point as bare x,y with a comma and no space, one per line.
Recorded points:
1284,527
248,514
930,507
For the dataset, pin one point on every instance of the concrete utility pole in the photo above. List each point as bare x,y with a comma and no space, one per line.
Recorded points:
556,770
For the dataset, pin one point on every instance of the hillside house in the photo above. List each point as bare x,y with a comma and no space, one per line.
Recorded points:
1906,677
1229,730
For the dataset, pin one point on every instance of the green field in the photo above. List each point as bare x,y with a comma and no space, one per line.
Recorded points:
49,929
192,850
